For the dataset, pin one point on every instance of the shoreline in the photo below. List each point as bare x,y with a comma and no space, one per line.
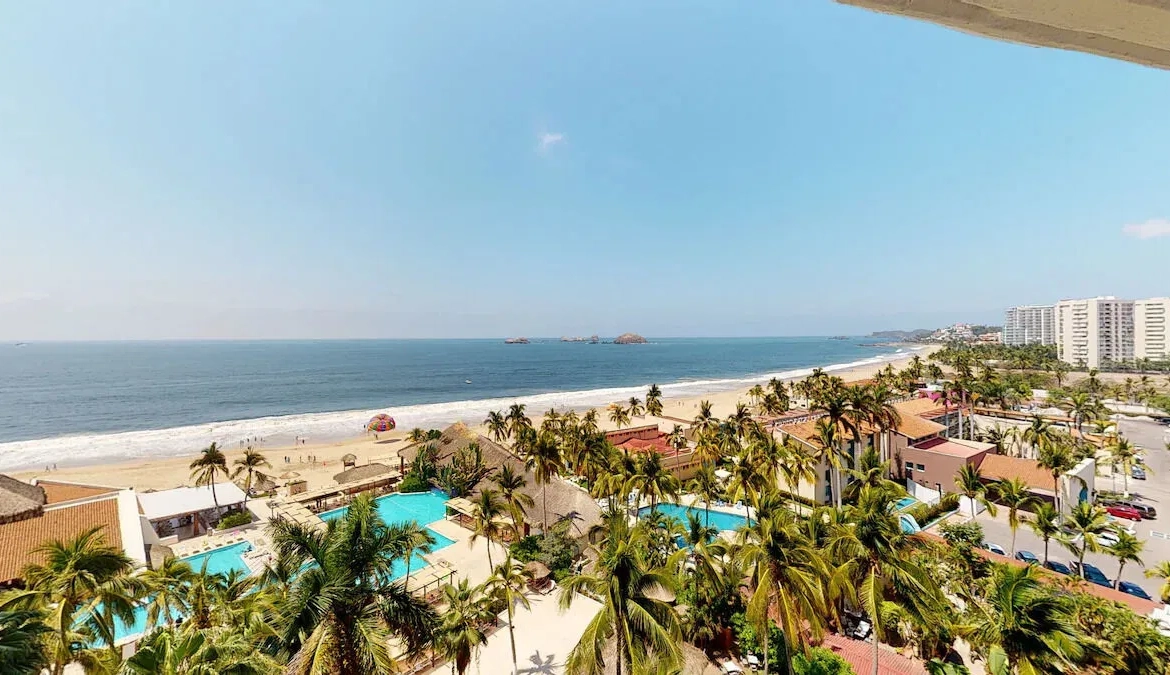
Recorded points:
147,472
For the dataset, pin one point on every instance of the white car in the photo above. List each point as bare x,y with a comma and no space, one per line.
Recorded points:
994,548
1107,538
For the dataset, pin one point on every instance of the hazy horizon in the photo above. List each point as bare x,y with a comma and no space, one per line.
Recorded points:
432,171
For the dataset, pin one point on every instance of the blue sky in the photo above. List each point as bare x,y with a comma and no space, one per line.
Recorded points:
455,169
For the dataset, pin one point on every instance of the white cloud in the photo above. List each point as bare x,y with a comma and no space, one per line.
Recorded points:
548,140
1158,227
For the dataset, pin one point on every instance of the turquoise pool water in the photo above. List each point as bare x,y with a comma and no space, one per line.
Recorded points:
905,503
423,508
221,560
716,519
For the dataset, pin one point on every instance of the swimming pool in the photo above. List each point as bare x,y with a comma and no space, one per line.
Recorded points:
716,519
221,560
423,508
905,503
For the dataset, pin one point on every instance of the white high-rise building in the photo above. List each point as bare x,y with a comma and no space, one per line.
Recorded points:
1094,330
1030,324
1149,328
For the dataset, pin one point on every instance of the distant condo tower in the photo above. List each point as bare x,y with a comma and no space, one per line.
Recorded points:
1094,331
1149,328
1030,324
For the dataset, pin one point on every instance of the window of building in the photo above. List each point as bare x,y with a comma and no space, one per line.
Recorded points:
909,466
921,467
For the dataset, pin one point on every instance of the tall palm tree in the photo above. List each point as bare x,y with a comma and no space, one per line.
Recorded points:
1057,457
1015,495
882,414
746,482
619,415
210,464
1023,627
636,407
342,607
506,585
1161,571
517,420
497,426
706,487
756,394
589,422
22,651
879,569
1046,524
418,435
652,479
1083,408
829,453
654,400
247,465
741,420
84,586
1122,454
486,509
1085,522
645,627
461,629
704,421
788,579
414,538
511,485
678,438
1128,549
183,652
167,585
1039,434
544,461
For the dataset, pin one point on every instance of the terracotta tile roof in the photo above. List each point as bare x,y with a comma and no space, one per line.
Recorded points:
57,492
860,655
953,447
922,407
1002,467
807,431
915,427
19,539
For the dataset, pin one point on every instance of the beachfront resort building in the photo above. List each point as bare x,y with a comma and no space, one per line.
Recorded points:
682,462
34,513
1030,324
185,512
1149,328
1095,331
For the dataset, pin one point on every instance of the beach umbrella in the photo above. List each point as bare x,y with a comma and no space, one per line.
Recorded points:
381,423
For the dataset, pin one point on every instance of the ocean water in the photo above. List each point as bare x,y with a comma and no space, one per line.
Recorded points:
78,403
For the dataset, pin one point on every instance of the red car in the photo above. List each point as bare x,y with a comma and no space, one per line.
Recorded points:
1127,512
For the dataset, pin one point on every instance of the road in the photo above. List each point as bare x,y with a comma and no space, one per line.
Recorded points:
1155,491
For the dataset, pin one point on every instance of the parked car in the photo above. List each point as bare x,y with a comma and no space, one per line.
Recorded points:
1058,567
994,548
1137,473
1134,590
1148,512
1123,511
1093,575
1107,538
1028,557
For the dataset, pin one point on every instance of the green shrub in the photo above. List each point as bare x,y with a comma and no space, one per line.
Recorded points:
926,514
413,482
820,661
234,519
527,549
749,642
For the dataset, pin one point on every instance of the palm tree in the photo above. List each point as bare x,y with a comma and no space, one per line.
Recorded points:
756,394
652,479
247,465
619,415
636,407
1046,524
1128,549
829,452
706,488
1015,495
741,420
882,414
654,400
418,434
1023,627
517,420
589,422
461,631
511,485
1083,408
1161,571
746,482
678,438
646,628
879,571
182,652
77,578
506,585
1039,433
544,461
342,606
788,579
167,584
1057,458
211,463
704,421
497,426
485,510
414,538
21,649
1123,454
1085,522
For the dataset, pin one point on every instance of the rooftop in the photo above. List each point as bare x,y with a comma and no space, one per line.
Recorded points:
19,539
181,501
19,499
807,432
922,407
915,427
1002,467
859,654
954,447
62,491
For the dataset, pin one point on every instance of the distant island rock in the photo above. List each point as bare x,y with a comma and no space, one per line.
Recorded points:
516,341
901,335
629,339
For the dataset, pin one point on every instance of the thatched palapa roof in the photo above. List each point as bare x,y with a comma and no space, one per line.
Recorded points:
19,500
565,500
361,473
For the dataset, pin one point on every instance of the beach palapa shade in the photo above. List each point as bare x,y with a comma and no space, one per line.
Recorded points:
381,423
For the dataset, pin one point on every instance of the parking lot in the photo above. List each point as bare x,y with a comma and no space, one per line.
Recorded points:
1155,491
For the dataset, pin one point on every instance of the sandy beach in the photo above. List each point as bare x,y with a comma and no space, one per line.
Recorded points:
172,472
